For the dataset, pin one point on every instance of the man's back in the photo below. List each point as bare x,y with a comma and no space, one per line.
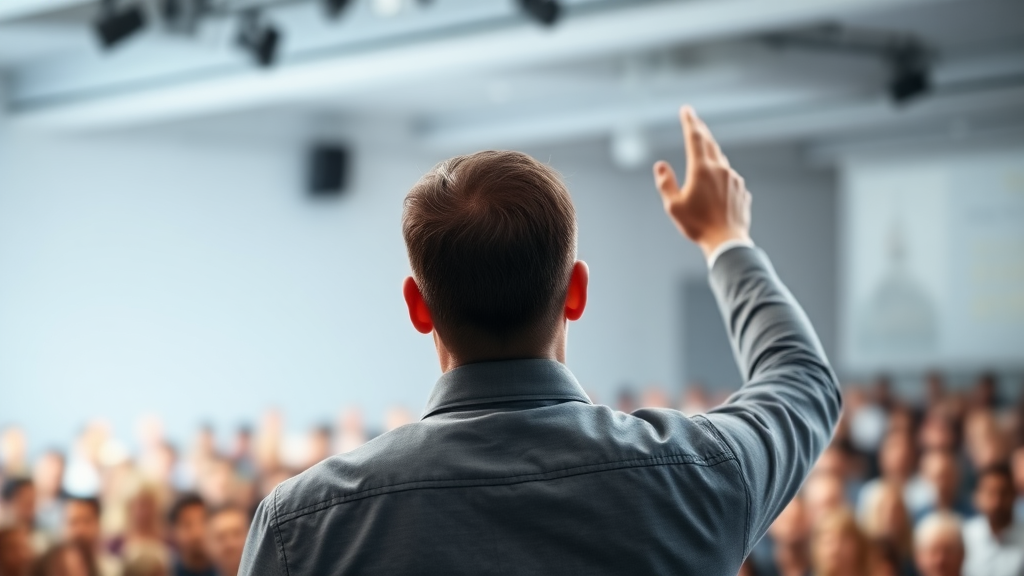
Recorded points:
513,471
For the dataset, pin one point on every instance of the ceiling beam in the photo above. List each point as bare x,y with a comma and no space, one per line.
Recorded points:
582,36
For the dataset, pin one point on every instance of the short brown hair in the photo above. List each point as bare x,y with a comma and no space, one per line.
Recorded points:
491,238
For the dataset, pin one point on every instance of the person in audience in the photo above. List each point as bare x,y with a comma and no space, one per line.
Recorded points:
19,497
823,494
227,528
791,536
840,548
14,452
1018,479
939,545
242,456
993,541
146,562
897,464
319,444
144,532
65,559
941,470
82,526
48,475
888,524
187,519
15,551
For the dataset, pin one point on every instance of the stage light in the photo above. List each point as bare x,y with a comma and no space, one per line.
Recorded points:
115,25
544,11
335,7
260,40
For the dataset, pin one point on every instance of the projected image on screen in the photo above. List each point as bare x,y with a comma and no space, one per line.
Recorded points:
933,262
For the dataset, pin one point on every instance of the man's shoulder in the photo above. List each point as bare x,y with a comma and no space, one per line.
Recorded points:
452,449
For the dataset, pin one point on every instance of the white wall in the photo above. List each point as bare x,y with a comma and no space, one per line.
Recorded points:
190,278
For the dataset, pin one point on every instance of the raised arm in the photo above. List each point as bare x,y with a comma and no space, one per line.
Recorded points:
784,415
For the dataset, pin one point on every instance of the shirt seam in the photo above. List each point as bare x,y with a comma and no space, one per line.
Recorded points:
709,461
277,534
743,478
432,410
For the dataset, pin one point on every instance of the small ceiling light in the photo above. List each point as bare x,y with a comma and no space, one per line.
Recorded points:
386,8
544,11
115,25
260,40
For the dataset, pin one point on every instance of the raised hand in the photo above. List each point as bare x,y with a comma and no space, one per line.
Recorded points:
713,205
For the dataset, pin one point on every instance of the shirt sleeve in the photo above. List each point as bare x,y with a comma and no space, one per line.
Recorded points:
262,556
783,417
725,247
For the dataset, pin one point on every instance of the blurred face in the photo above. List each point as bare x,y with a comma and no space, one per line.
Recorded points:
941,471
940,555
227,532
48,473
994,498
23,506
836,552
189,532
144,512
81,524
897,457
823,494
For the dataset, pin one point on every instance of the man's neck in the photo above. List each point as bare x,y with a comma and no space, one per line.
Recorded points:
999,525
195,561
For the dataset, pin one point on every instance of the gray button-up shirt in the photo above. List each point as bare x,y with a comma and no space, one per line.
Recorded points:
512,470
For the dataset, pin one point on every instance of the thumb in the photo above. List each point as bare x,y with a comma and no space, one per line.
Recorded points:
665,180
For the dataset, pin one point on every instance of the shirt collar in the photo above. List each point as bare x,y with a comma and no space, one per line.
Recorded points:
504,381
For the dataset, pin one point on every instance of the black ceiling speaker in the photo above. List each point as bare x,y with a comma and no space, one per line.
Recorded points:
328,169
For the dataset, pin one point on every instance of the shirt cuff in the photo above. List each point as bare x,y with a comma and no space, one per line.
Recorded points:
725,247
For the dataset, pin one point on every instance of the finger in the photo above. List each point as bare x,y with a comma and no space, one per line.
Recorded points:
665,180
712,149
692,135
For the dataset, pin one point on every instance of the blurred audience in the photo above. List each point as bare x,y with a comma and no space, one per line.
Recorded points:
993,540
928,488
939,545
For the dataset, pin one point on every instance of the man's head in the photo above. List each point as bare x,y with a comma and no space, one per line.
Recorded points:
19,496
491,239
823,494
939,545
940,469
994,495
82,521
896,457
227,528
188,529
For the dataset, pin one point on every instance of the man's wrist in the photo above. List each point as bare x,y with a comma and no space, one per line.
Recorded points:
718,245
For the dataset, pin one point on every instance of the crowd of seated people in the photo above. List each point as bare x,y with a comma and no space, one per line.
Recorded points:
928,488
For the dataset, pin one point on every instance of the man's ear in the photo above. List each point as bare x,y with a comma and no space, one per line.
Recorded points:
419,314
576,296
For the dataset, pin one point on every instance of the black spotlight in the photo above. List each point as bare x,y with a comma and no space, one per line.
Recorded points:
544,11
910,73
260,40
183,16
114,25
335,7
